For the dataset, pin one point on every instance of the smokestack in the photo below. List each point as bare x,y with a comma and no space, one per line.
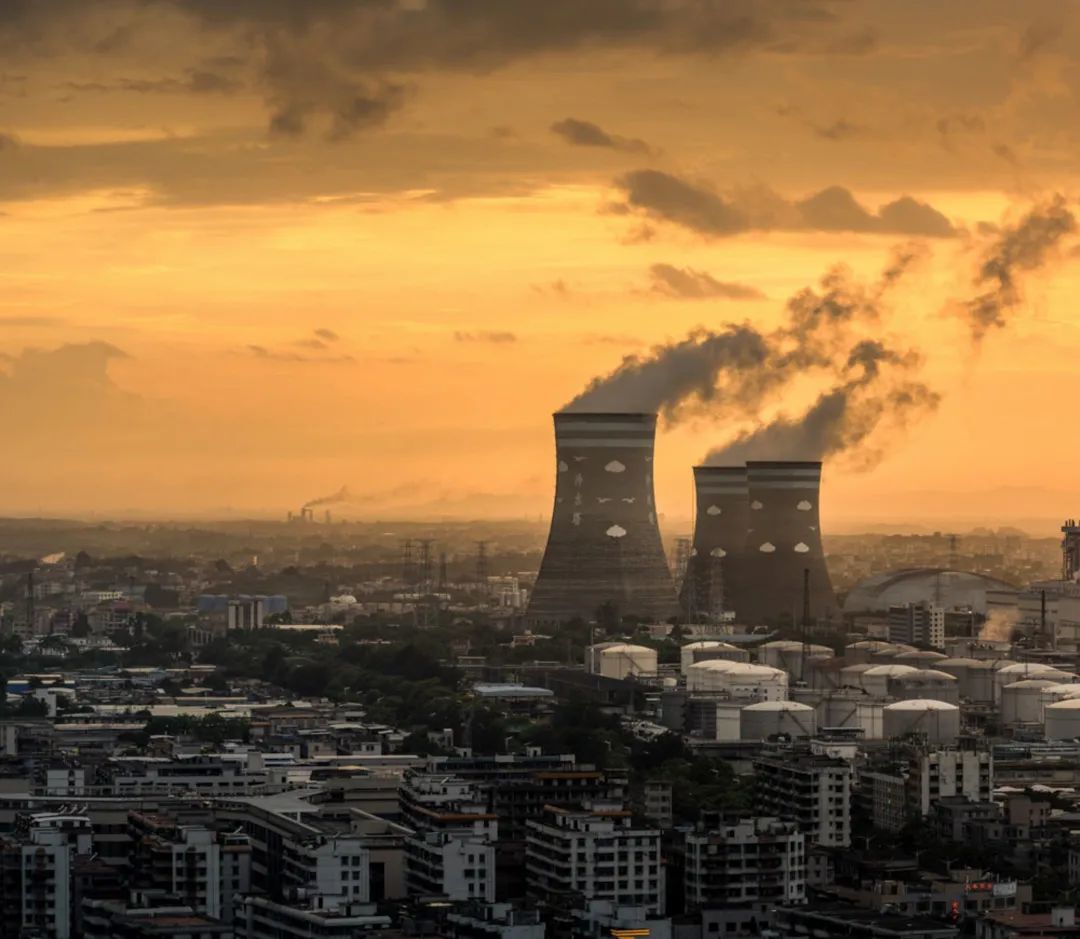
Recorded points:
604,544
783,540
714,575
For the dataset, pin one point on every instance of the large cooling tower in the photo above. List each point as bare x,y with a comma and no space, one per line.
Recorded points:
604,544
713,578
784,539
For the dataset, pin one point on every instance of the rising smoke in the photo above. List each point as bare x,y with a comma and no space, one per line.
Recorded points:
1026,246
872,386
342,495
735,371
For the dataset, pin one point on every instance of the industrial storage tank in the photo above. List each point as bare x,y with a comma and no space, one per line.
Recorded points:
925,683
1061,720
707,649
980,681
604,544
937,721
1021,671
920,658
889,655
823,672
627,661
768,719
790,655
851,710
1022,702
860,652
875,680
958,667
1059,693
738,680
851,675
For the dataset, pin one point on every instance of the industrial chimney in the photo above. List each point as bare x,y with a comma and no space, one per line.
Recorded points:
714,575
783,540
604,544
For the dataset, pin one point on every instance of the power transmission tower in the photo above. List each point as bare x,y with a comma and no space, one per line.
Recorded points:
481,568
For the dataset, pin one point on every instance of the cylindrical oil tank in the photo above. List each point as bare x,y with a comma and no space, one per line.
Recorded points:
958,668
767,719
1022,671
1059,693
738,680
938,721
789,655
823,671
627,661
925,683
1061,720
592,655
860,652
1022,701
706,649
920,658
875,680
979,683
851,675
851,710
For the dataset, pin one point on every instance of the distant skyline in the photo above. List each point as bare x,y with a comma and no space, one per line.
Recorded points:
254,251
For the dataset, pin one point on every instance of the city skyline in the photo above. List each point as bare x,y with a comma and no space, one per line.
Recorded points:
253,254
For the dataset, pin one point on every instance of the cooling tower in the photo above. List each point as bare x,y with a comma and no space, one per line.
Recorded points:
604,544
713,578
784,539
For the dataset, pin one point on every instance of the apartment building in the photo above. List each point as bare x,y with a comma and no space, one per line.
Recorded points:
811,789
594,851
751,863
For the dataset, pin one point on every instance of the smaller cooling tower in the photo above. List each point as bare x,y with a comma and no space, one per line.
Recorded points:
783,540
714,581
604,543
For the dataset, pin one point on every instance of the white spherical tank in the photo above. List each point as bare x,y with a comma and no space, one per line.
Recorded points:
1022,702
738,680
1061,720
925,683
938,721
1022,671
858,653
920,658
706,649
979,683
849,710
875,680
768,719
957,667
627,661
851,675
789,655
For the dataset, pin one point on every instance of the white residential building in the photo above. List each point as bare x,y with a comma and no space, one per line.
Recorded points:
593,851
810,789
748,862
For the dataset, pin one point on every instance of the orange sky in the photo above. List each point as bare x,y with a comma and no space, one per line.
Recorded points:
250,254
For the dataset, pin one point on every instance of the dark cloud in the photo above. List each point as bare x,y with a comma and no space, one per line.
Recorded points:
667,197
664,196
493,336
317,345
195,81
588,134
839,129
327,335
31,321
8,142
685,283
